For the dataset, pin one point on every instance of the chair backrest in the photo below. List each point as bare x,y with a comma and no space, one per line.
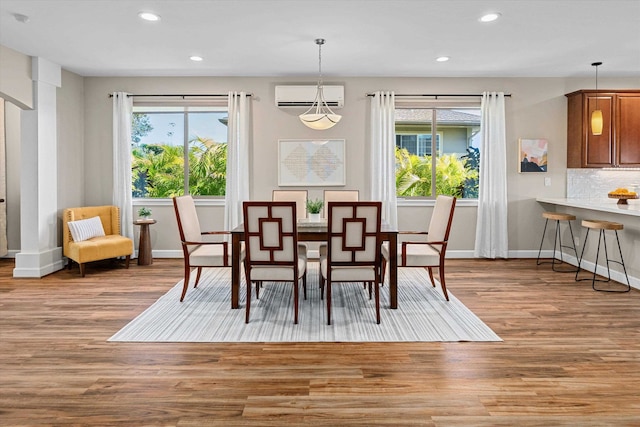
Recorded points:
339,196
440,224
354,233
271,236
298,196
187,217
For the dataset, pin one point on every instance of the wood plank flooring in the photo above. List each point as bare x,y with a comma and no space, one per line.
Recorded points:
570,357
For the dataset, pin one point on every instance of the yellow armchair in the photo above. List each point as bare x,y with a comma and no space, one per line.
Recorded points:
111,245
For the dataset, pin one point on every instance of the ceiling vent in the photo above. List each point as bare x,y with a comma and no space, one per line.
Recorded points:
304,96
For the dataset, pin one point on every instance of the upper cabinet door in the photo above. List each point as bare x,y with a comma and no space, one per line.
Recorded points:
619,143
628,130
598,150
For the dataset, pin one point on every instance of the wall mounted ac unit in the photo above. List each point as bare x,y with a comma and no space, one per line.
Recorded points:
303,96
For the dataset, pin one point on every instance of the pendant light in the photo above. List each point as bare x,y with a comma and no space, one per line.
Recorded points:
596,115
319,116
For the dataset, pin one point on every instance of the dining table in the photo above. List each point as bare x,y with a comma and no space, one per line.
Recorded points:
312,231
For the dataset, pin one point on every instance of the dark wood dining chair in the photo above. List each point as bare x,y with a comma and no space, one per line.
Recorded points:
271,245
353,248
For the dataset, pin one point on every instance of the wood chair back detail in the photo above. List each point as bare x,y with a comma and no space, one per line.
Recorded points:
429,252
200,248
353,248
271,245
298,196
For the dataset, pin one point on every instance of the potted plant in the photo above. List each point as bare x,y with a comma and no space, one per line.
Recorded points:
314,206
144,213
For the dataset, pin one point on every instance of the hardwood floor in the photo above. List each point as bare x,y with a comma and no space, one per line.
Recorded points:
570,357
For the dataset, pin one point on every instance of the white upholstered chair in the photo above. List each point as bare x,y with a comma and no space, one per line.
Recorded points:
271,244
353,248
298,196
430,252
200,248
338,196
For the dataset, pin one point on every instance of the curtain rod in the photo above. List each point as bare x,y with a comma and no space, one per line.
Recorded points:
450,95
211,95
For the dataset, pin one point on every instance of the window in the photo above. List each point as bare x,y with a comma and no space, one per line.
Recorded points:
454,166
179,150
419,144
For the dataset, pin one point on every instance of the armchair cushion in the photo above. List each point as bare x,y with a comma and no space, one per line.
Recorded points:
85,229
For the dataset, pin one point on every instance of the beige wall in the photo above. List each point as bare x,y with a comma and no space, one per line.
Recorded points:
15,78
71,170
537,109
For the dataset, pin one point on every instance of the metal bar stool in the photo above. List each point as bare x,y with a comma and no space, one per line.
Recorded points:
603,226
557,217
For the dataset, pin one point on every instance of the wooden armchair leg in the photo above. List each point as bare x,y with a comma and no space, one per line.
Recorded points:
187,274
81,269
127,261
197,277
430,270
444,286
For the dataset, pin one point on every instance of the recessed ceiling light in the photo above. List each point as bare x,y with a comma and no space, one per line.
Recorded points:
149,16
442,58
490,17
196,58
21,18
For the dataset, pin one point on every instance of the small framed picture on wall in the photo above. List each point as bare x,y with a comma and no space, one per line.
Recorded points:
532,155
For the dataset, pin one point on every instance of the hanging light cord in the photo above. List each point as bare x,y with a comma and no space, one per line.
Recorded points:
321,102
596,64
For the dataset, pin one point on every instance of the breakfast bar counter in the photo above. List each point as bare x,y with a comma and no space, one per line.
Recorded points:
609,210
602,205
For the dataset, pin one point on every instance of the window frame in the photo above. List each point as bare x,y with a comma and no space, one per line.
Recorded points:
434,105
183,107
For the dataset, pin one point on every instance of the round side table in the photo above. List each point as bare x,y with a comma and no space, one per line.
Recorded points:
144,247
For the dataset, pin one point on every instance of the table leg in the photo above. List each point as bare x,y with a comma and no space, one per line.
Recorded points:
393,270
235,270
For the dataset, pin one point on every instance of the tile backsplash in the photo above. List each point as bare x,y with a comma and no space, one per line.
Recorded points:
596,183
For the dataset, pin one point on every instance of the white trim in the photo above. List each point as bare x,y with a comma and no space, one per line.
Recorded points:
204,201
416,201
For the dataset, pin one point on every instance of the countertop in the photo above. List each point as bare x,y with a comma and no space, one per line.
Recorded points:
602,205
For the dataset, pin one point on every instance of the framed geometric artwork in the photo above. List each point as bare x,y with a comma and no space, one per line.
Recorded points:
533,155
308,162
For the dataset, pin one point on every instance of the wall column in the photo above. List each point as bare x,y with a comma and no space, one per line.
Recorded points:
39,254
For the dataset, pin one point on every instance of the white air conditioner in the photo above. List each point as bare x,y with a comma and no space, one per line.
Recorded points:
303,96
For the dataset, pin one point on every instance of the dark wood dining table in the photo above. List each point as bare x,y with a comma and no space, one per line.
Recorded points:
313,232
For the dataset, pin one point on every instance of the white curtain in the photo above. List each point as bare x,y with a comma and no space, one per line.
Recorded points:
122,115
237,189
491,227
383,161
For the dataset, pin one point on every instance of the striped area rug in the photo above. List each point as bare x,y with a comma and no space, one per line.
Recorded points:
423,315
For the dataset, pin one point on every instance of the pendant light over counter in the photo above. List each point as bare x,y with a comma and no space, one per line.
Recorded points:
596,115
319,116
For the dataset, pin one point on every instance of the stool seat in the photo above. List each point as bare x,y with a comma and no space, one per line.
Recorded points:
558,216
601,225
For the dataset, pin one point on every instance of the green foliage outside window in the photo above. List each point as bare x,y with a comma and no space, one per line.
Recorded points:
453,175
158,169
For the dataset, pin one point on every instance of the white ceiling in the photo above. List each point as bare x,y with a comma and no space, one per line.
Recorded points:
402,38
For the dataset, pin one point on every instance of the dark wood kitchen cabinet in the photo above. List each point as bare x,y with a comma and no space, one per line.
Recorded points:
619,144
